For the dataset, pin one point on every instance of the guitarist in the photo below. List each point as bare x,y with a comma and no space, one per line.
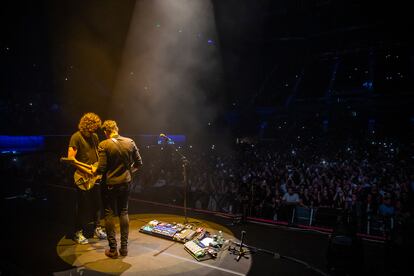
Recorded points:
83,146
118,157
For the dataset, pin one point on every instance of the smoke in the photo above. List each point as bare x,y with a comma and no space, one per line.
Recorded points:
170,74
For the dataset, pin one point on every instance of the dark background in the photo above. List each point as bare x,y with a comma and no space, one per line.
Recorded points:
60,60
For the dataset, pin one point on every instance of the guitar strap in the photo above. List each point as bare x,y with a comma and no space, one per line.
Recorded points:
123,156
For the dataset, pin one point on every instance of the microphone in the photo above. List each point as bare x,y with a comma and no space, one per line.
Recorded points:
165,136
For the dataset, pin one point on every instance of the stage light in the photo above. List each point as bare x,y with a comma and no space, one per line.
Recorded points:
165,52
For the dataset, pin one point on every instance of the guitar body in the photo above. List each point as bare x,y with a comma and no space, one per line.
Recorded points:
84,178
85,181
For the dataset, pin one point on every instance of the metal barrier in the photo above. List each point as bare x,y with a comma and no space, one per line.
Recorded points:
379,225
303,215
327,217
321,217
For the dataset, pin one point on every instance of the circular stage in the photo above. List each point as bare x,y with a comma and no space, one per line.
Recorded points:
151,255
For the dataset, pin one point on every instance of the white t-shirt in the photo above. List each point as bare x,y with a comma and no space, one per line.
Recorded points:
294,198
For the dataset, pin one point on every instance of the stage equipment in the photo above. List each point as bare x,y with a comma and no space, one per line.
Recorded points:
198,242
240,249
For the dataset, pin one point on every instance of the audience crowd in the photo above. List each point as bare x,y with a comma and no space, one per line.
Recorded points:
369,178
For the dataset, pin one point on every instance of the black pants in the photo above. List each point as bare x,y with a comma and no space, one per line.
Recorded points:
115,199
88,210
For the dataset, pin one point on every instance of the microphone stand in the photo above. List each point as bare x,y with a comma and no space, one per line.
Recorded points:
185,179
184,165
242,251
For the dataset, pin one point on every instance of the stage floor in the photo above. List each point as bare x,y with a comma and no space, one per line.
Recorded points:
151,255
35,244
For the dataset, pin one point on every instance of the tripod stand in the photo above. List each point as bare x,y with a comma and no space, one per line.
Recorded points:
240,250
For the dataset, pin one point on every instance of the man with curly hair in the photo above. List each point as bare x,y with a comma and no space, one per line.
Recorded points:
83,146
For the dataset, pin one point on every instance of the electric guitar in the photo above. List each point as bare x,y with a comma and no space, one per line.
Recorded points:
84,177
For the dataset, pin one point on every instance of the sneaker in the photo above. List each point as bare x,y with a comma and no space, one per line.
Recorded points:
99,233
123,251
80,238
111,253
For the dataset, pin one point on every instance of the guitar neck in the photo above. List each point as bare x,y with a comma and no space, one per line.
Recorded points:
80,165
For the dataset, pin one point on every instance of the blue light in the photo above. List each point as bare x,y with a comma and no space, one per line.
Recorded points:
263,125
368,85
14,144
147,140
174,139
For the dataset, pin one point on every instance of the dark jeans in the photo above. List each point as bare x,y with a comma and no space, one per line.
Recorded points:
88,210
115,198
